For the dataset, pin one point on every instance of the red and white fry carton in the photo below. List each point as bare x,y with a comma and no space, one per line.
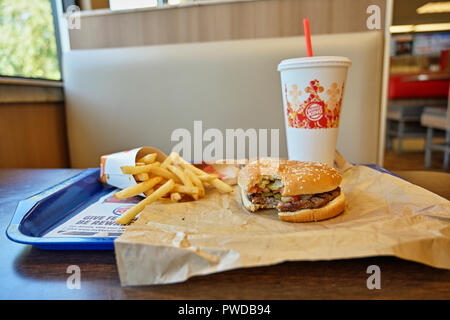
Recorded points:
110,172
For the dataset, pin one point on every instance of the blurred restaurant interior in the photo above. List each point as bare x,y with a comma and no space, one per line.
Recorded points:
102,76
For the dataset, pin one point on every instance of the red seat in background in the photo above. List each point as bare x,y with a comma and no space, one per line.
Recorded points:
401,89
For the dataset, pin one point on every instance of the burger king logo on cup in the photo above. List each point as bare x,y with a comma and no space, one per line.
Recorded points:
314,111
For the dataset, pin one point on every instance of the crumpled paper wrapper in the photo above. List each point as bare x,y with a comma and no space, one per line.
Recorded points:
385,215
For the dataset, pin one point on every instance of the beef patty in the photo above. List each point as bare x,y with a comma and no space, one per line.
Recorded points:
295,203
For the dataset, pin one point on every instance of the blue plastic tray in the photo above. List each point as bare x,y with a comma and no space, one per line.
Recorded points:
40,213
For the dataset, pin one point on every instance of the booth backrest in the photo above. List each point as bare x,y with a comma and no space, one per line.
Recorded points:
121,98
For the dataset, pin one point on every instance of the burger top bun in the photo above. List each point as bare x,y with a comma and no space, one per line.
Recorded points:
298,177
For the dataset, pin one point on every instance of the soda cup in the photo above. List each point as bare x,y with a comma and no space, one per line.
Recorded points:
313,89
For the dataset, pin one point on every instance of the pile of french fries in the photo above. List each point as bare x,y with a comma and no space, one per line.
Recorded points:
174,177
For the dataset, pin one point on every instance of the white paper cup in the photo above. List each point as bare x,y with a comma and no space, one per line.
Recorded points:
313,89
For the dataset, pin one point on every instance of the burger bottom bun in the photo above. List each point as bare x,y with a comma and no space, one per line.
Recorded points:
330,210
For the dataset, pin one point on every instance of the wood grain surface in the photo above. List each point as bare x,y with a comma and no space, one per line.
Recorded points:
29,273
33,135
220,21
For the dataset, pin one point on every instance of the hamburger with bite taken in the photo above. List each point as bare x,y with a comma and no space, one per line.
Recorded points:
300,191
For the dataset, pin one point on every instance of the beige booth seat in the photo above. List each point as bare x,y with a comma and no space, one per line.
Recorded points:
121,98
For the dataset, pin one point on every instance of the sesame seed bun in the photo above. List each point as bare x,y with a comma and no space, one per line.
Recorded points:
298,177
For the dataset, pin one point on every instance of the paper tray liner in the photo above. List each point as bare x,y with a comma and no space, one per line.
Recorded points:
384,215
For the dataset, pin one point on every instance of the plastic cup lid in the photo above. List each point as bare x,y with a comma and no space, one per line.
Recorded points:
324,61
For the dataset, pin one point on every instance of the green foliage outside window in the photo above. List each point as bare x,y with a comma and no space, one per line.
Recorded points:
27,40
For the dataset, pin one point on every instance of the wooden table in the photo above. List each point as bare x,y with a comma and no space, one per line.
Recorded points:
29,273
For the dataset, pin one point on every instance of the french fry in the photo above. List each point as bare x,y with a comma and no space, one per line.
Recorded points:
183,177
164,173
217,183
140,164
180,174
184,189
133,211
197,182
149,192
148,159
208,176
137,189
221,186
141,176
175,196
138,169
184,164
169,160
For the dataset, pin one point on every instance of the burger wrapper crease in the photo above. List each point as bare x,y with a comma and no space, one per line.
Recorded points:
384,216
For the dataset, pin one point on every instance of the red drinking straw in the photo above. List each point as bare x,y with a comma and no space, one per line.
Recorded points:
307,37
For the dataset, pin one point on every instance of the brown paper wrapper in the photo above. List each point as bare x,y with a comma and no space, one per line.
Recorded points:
385,215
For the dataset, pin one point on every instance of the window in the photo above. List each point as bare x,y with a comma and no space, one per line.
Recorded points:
27,40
